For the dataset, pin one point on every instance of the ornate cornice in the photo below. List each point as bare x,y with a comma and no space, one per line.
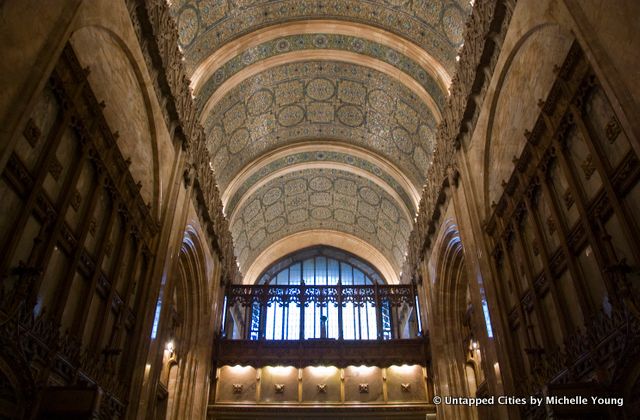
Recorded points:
157,34
486,30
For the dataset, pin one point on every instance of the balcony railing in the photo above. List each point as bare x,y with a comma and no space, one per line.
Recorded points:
341,312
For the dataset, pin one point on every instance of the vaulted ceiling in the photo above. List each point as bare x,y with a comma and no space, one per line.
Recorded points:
320,116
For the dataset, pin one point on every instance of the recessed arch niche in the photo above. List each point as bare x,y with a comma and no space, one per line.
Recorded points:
518,91
117,80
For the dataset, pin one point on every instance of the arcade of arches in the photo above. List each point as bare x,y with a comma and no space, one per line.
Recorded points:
319,208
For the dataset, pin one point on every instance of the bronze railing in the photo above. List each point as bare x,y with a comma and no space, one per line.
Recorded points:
396,308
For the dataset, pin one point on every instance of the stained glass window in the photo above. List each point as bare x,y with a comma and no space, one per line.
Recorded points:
320,266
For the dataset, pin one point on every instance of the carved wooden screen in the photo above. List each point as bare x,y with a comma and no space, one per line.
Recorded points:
75,238
565,238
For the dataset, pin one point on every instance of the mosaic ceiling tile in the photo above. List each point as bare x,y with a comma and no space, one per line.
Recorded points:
389,209
188,25
271,212
234,117
276,224
367,225
320,112
344,202
369,196
289,92
385,238
363,107
320,183
257,238
321,213
252,210
344,216
260,102
272,196
297,201
238,140
295,187
320,199
450,23
351,92
291,115
402,140
346,187
205,25
297,216
350,115
367,211
342,186
320,89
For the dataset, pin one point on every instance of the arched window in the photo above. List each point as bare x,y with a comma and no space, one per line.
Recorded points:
341,302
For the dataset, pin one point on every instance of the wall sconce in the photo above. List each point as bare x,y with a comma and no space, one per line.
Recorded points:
364,388
362,369
281,370
405,387
322,388
237,388
279,388
405,369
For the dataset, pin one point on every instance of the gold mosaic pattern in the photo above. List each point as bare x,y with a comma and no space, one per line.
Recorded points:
329,100
320,199
435,25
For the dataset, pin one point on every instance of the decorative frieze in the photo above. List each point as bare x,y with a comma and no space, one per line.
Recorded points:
551,224
568,198
588,167
612,130
158,37
55,169
18,174
76,200
32,133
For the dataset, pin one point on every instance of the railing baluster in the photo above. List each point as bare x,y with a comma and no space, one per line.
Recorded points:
378,305
264,304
